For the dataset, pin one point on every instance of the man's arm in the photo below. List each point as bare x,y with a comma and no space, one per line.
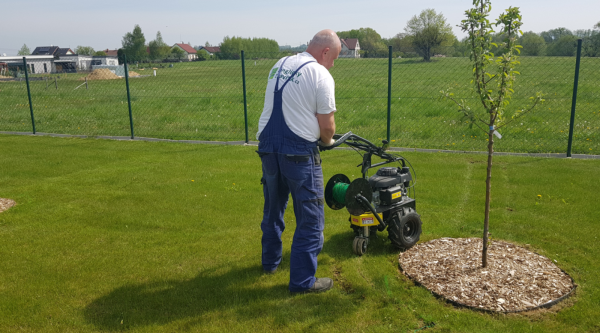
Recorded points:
327,127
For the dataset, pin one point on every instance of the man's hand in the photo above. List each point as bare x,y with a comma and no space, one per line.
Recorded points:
326,144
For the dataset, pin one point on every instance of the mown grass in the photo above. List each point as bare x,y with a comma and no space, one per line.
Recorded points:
164,237
204,100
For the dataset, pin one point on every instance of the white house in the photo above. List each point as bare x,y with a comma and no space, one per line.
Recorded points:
39,64
190,52
36,64
350,48
74,62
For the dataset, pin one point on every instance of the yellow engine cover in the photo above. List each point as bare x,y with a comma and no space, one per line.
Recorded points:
365,220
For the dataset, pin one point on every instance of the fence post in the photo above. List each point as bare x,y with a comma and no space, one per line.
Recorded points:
29,94
245,104
128,94
574,101
389,108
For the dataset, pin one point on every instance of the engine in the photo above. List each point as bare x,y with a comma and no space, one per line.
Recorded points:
390,185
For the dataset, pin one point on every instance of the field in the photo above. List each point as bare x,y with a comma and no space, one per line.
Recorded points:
165,237
204,101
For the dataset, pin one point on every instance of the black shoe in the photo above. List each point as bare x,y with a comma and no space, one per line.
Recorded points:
320,285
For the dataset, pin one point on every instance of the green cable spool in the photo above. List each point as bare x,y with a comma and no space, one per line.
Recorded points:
340,182
339,192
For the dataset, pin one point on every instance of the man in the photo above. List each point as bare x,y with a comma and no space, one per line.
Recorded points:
298,115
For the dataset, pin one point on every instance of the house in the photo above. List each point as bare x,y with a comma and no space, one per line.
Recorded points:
111,53
74,62
71,63
190,52
210,49
52,50
36,64
350,48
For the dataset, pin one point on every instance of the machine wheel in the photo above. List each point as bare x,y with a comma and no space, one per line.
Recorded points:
359,246
405,229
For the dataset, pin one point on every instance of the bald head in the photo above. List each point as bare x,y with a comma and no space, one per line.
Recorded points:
325,47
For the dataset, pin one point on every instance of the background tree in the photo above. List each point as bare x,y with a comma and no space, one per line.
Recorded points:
554,35
100,53
203,54
429,31
565,46
253,47
533,44
493,79
591,42
134,45
158,49
24,50
401,45
84,50
121,56
371,43
177,53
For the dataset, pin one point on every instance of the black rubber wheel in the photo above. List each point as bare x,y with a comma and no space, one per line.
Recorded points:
404,229
359,246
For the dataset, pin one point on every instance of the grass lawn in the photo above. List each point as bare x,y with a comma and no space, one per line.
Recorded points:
204,101
165,237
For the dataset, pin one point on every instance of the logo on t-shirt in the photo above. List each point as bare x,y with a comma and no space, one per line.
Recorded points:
273,72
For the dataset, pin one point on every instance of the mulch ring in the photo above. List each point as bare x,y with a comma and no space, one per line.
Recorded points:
6,204
514,280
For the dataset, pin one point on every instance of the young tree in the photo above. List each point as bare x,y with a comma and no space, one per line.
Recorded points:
134,45
429,31
493,79
24,50
84,50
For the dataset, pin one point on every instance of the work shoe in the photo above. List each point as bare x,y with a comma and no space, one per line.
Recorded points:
320,285
270,272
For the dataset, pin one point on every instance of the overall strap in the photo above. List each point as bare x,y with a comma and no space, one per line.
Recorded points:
279,74
277,89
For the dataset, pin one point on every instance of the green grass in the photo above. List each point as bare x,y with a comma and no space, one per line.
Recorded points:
204,101
165,237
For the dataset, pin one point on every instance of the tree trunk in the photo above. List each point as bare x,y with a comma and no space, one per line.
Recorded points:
488,192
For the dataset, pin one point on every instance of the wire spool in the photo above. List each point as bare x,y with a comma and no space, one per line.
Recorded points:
335,191
358,186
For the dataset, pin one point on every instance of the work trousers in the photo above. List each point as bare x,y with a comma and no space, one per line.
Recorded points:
302,176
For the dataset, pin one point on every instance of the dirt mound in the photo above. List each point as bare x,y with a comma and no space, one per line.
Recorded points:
516,279
132,73
6,204
102,74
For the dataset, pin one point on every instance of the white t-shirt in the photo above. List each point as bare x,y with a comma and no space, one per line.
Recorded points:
311,91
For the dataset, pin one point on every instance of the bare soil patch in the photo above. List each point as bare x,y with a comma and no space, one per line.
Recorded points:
515,280
101,74
6,204
132,73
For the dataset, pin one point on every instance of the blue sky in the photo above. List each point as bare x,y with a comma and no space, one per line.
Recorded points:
102,24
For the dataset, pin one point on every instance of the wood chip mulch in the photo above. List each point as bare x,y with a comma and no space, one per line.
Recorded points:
6,204
514,280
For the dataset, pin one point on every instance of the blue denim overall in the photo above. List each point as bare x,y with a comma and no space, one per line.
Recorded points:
291,164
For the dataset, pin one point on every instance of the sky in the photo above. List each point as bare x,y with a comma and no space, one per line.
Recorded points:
102,24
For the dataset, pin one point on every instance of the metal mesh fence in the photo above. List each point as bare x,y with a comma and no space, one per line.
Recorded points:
204,100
